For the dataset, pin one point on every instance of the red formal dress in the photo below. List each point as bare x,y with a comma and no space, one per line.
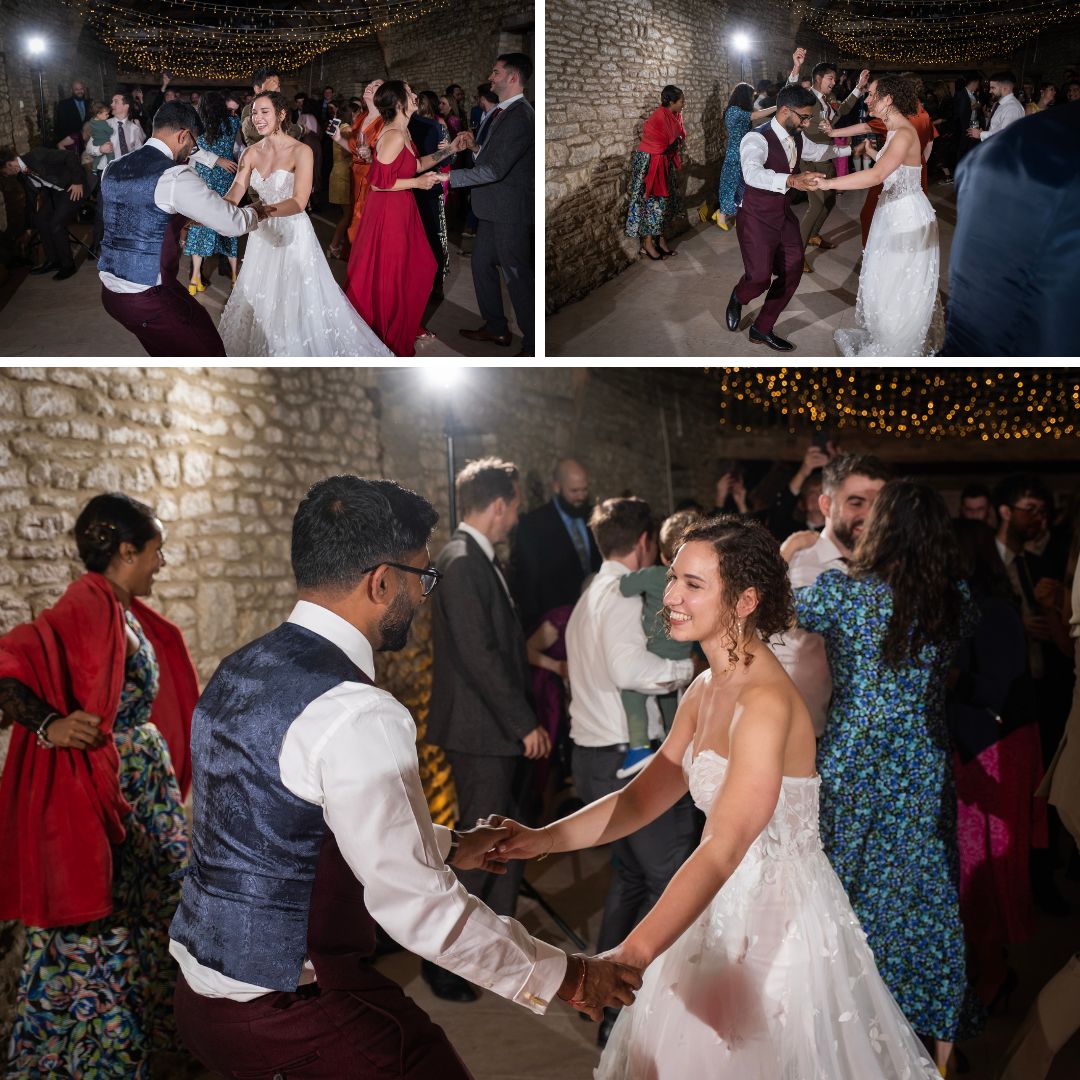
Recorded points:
391,268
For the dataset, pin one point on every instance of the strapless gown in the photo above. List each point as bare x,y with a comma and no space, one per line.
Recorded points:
286,301
775,980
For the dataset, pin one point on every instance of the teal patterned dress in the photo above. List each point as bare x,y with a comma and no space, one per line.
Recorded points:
650,215
888,803
732,185
95,1000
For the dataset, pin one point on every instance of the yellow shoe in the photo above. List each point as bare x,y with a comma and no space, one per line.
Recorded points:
719,219
195,286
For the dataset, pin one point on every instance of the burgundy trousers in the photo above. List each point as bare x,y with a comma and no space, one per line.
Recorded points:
166,320
366,1034
772,252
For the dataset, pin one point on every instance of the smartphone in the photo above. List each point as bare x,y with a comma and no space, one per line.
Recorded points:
334,125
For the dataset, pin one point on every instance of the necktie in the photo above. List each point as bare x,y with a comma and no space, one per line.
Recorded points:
792,157
581,543
120,135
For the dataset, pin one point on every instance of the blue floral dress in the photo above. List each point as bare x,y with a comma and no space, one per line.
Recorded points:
95,1000
200,239
888,803
737,124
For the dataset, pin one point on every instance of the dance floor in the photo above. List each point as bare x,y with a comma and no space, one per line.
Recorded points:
65,318
502,1041
676,308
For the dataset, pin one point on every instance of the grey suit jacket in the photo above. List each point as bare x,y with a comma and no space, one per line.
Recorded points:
480,695
502,179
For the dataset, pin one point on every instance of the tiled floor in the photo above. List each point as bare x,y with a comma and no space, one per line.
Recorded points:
675,308
502,1041
65,318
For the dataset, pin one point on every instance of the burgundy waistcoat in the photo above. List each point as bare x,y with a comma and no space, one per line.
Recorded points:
773,206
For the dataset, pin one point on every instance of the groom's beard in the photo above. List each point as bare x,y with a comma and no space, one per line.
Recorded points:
394,628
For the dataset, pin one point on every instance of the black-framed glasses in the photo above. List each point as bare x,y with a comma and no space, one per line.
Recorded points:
804,118
1032,511
429,578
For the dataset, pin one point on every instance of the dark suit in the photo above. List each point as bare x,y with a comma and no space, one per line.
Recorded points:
964,111
52,211
546,572
502,199
480,705
427,134
1028,308
68,120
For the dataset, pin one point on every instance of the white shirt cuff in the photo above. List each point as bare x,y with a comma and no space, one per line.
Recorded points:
542,985
443,839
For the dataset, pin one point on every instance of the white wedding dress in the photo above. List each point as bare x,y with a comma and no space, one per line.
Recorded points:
897,312
775,980
286,301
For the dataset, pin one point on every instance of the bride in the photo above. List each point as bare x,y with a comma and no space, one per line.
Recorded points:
286,301
897,312
756,967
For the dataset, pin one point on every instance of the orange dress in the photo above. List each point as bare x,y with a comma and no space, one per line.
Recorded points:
372,129
926,131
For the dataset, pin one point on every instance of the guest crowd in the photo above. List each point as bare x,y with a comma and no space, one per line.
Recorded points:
483,193
935,654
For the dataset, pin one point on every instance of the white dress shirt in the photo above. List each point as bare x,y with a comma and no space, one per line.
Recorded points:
754,152
606,652
352,751
37,179
180,190
1008,110
801,653
134,137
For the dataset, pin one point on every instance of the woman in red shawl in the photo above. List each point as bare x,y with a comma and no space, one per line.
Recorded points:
100,690
653,199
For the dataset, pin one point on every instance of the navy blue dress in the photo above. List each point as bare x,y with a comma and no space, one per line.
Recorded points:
888,802
737,123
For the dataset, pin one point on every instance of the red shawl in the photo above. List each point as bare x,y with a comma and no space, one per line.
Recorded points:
660,131
61,810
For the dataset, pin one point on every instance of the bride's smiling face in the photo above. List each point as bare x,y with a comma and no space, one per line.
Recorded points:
263,117
692,598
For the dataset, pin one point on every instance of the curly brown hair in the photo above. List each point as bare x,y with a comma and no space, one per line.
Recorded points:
749,558
277,99
910,544
902,91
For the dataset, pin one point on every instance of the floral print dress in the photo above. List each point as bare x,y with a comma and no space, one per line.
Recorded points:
888,801
95,1000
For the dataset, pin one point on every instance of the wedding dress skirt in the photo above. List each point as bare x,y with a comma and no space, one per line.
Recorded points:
775,980
286,301
897,312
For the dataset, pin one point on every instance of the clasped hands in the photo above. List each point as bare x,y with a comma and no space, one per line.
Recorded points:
808,181
591,983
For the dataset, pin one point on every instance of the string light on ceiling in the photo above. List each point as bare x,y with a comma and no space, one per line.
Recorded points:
932,32
989,406
228,41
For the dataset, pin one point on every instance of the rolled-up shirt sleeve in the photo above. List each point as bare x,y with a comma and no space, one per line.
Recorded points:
359,763
753,152
182,191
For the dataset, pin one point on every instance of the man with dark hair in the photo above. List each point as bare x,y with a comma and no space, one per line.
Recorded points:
264,79
310,826
1007,107
768,229
481,709
53,183
502,185
965,114
819,159
849,485
127,135
975,504
607,652
147,196
554,551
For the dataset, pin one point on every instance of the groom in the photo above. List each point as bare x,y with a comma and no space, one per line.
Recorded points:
310,826
767,227
147,197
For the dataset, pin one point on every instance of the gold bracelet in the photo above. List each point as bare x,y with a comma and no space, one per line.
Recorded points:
576,999
541,858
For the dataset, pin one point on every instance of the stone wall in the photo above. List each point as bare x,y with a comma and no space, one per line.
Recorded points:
606,64
455,44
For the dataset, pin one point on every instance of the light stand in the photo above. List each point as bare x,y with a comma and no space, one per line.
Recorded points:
741,44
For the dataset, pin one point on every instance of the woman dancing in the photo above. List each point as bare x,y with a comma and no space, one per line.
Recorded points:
756,966
653,199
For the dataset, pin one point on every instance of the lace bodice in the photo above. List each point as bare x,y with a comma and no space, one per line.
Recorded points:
275,187
902,182
792,831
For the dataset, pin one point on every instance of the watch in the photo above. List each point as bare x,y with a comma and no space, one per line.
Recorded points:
455,840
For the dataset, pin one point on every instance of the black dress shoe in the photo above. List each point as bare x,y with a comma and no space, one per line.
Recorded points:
602,1036
733,315
777,344
445,984
64,273
45,268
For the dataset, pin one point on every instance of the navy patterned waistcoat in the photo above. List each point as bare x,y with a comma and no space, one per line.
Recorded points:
135,226
266,885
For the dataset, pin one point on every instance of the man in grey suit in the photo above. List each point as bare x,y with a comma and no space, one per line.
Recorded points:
502,199
481,713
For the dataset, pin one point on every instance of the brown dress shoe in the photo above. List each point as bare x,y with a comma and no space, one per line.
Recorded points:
818,241
806,267
484,334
